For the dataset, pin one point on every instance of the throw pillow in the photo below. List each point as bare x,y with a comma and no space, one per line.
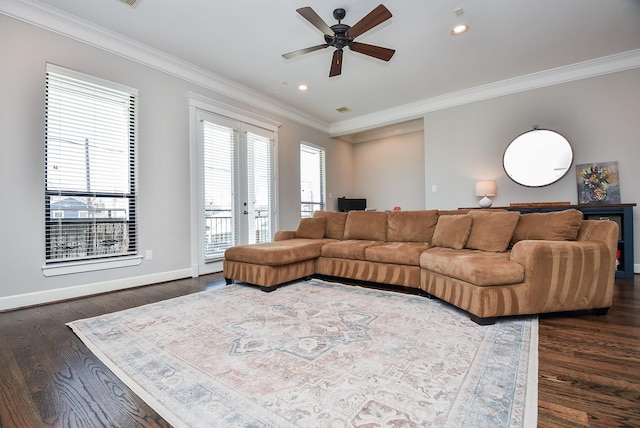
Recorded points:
452,231
492,230
334,228
312,228
366,225
551,226
411,226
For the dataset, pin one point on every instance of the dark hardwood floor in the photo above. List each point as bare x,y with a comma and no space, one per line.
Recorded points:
589,366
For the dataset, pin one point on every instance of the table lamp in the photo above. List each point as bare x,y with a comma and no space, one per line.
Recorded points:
484,189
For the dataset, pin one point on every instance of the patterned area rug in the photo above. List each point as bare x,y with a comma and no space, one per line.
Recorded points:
320,354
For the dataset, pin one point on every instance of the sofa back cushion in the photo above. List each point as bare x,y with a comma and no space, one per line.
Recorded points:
367,225
459,211
452,231
335,221
492,230
312,228
411,226
551,226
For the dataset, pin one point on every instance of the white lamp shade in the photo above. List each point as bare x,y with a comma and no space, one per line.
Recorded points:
486,188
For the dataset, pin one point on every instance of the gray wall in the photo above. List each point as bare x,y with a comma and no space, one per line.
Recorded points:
389,172
599,116
164,169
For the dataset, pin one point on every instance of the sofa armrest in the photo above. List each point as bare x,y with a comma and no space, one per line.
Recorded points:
283,235
566,275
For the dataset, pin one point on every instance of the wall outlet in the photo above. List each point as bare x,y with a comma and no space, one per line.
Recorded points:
434,188
148,255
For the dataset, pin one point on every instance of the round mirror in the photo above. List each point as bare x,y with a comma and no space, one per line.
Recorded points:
537,158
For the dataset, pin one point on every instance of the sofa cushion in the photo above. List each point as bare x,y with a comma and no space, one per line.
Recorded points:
452,231
491,230
400,253
367,225
347,249
411,226
277,252
551,226
476,267
312,228
334,227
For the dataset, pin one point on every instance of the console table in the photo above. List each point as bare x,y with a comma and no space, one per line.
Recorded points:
620,213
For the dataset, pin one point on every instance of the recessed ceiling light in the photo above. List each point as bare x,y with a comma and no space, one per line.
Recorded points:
302,87
459,29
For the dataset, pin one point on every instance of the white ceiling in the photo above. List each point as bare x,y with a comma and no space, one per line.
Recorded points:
243,40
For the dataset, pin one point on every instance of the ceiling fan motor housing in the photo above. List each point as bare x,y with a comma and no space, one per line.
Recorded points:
340,38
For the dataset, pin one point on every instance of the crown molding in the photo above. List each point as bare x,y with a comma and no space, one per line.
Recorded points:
582,70
416,125
51,19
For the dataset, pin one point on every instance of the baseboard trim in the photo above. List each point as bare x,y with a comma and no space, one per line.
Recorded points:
49,296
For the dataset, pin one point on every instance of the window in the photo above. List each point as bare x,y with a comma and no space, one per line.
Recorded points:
237,184
312,180
90,168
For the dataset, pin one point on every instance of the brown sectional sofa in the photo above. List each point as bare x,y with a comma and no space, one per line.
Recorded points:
490,263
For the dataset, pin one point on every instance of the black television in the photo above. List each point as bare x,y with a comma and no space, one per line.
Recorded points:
351,204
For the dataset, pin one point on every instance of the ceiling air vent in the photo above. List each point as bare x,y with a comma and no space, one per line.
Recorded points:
132,3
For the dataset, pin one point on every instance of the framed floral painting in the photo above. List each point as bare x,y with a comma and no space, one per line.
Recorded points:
598,183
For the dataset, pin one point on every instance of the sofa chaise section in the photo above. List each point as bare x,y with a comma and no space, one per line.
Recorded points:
270,264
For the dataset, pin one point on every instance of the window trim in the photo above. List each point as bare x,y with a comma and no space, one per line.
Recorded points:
55,267
66,268
323,173
200,104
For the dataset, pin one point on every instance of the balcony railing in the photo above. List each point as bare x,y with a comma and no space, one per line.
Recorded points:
308,208
220,234
262,227
80,239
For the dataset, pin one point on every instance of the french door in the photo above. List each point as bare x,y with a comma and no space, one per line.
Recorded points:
236,185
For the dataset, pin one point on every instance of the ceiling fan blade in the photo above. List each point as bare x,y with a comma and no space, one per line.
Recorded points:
375,17
336,63
379,52
310,15
303,51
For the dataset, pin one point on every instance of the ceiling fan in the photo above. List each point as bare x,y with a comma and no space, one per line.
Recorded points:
341,35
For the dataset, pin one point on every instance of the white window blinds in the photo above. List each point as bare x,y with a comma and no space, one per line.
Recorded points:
219,161
90,167
260,192
312,180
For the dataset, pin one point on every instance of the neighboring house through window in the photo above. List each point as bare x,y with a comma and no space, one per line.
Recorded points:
90,168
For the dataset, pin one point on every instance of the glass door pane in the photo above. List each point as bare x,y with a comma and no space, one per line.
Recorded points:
259,188
218,184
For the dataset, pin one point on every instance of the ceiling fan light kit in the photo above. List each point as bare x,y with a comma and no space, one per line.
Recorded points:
342,35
